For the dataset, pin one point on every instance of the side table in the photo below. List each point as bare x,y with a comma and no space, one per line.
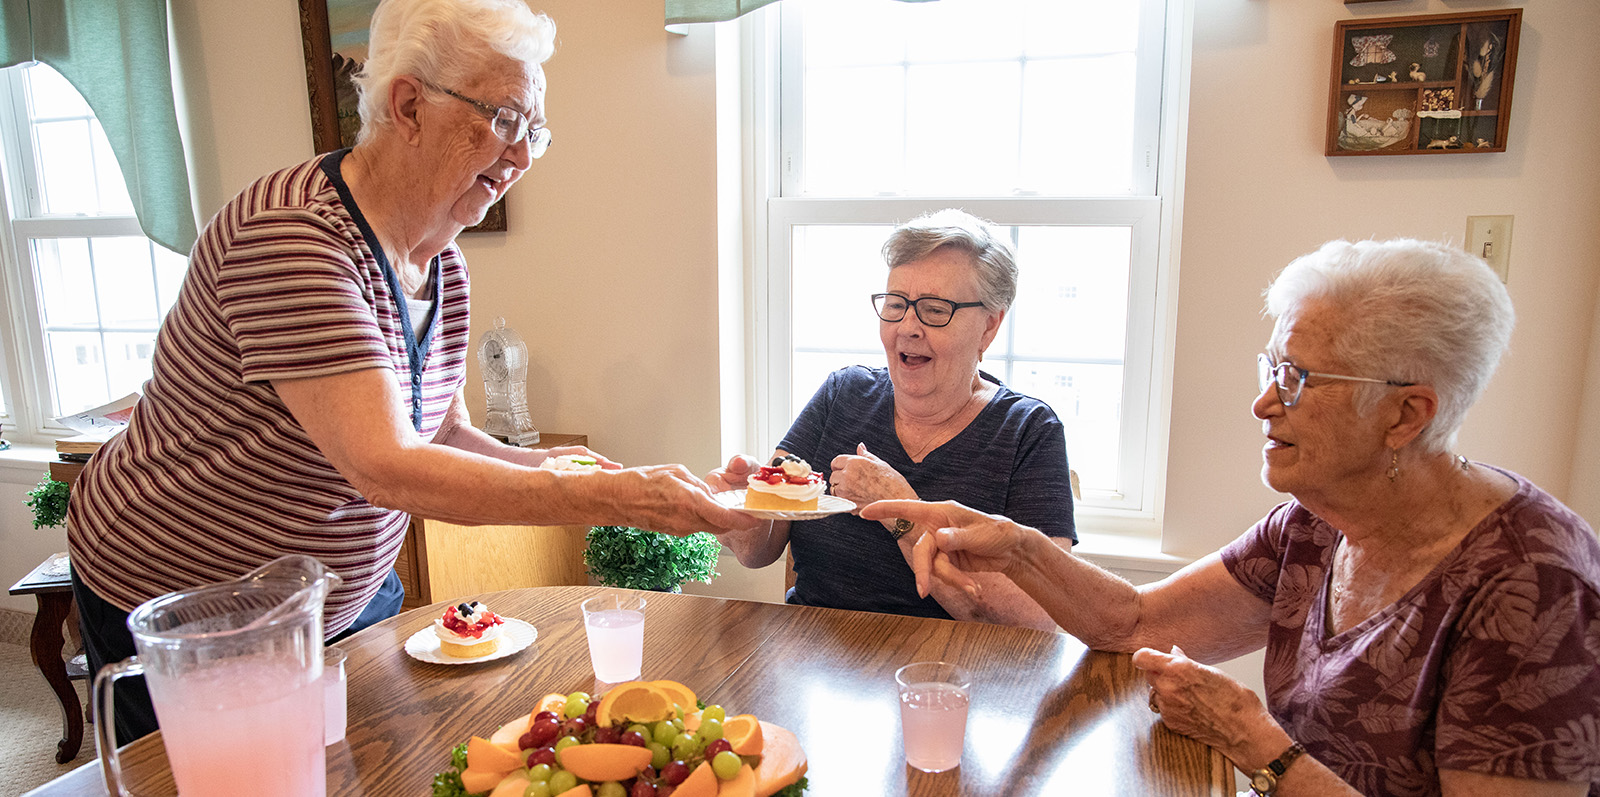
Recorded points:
53,591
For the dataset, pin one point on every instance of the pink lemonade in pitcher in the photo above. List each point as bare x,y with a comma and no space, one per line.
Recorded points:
246,727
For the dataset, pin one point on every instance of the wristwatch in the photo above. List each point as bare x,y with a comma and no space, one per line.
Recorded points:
901,528
1265,781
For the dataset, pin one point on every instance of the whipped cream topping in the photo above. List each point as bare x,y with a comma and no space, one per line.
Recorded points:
792,492
570,462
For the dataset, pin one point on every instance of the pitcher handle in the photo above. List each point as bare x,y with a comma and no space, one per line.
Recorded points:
105,733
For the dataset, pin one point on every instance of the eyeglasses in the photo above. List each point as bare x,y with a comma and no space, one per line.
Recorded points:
1290,379
931,310
508,123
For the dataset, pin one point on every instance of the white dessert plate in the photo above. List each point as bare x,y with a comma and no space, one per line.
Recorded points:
826,505
514,636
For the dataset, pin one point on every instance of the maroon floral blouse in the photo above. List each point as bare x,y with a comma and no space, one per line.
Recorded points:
1490,664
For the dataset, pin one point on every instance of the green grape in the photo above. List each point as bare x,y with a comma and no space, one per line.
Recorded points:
711,729
726,765
664,732
639,729
577,703
611,788
562,744
713,712
537,788
659,754
687,745
677,722
539,772
562,780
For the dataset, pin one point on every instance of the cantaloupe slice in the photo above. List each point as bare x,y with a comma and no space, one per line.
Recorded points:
486,756
782,760
603,762
510,732
691,721
580,790
476,781
512,786
702,782
741,785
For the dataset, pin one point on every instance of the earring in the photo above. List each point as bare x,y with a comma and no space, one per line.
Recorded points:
1394,464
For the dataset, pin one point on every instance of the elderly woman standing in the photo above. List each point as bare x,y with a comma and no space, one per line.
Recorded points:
306,395
930,425
1431,624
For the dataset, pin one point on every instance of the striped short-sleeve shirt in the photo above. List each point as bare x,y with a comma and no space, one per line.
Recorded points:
213,476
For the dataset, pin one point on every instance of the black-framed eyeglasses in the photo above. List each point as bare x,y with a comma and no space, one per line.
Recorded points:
931,310
508,123
1290,379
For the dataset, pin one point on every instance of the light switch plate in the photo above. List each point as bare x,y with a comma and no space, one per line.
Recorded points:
1489,237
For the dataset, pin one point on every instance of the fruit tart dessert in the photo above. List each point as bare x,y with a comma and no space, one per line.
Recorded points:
468,630
787,484
641,739
578,462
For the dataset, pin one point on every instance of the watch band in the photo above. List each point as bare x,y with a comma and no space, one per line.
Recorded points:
902,527
1264,781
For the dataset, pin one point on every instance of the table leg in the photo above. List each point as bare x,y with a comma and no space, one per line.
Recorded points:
46,648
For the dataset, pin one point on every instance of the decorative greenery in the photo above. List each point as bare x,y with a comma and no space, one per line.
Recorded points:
619,556
48,502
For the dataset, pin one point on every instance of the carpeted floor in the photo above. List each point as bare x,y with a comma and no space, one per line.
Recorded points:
31,719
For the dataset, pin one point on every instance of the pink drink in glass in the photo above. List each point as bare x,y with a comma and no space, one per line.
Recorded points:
243,728
616,643
933,713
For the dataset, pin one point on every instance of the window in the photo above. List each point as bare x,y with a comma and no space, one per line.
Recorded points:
1043,116
87,288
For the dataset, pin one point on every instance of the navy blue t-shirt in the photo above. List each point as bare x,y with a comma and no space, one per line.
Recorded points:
1010,460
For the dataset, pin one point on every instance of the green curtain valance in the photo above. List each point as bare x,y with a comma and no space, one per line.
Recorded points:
114,52
684,11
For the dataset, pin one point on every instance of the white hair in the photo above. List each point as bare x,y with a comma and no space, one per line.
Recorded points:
443,42
1412,311
991,254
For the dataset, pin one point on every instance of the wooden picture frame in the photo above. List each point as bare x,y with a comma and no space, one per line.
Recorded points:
1423,85
334,35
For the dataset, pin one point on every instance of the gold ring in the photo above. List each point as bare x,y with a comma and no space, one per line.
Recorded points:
1153,706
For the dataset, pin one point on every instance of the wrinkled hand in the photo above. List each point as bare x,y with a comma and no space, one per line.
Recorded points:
668,499
966,541
560,451
1206,705
863,478
734,475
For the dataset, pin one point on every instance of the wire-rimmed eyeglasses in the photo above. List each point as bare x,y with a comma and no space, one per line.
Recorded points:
1290,379
508,123
931,310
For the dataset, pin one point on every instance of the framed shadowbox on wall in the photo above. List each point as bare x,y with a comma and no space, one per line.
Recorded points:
334,35
1423,85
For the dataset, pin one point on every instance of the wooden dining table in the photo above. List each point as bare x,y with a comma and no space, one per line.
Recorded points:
1047,716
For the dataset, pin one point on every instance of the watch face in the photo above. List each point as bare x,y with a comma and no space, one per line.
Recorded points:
1262,782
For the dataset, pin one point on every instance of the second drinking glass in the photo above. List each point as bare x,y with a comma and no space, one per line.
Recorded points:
614,623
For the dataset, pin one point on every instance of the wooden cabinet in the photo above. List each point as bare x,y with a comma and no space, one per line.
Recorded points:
443,561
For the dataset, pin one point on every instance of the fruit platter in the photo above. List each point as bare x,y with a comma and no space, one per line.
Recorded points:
640,739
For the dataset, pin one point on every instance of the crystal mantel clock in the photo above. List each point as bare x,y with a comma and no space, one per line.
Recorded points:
503,357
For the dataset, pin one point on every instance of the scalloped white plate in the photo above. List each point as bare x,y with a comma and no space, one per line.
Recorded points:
515,635
826,505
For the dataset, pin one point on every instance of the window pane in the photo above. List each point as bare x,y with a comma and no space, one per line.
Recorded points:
1088,400
77,369
51,96
967,98
170,268
66,170
1072,293
76,170
125,282
127,361
836,270
66,282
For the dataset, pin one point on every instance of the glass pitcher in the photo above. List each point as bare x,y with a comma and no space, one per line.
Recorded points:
234,673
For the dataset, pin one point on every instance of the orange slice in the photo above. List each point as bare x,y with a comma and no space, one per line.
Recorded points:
554,702
743,731
678,693
634,701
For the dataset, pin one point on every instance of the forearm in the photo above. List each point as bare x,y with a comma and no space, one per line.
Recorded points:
760,545
467,437
998,599
1088,602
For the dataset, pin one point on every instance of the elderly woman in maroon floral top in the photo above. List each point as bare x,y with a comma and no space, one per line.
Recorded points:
1432,624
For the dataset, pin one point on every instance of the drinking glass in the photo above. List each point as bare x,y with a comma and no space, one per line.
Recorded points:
333,695
933,713
614,623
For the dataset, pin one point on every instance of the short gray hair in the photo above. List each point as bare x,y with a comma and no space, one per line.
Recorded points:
1412,311
443,42
991,254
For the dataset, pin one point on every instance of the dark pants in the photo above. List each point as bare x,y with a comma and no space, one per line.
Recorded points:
107,640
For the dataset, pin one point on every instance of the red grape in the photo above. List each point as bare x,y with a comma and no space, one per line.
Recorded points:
526,741
642,788
633,738
716,747
607,735
543,755
544,731
675,772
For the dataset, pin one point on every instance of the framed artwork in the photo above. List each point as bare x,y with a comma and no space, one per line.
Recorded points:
1423,85
334,34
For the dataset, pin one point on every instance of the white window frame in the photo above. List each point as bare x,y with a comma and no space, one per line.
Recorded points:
754,298
24,363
